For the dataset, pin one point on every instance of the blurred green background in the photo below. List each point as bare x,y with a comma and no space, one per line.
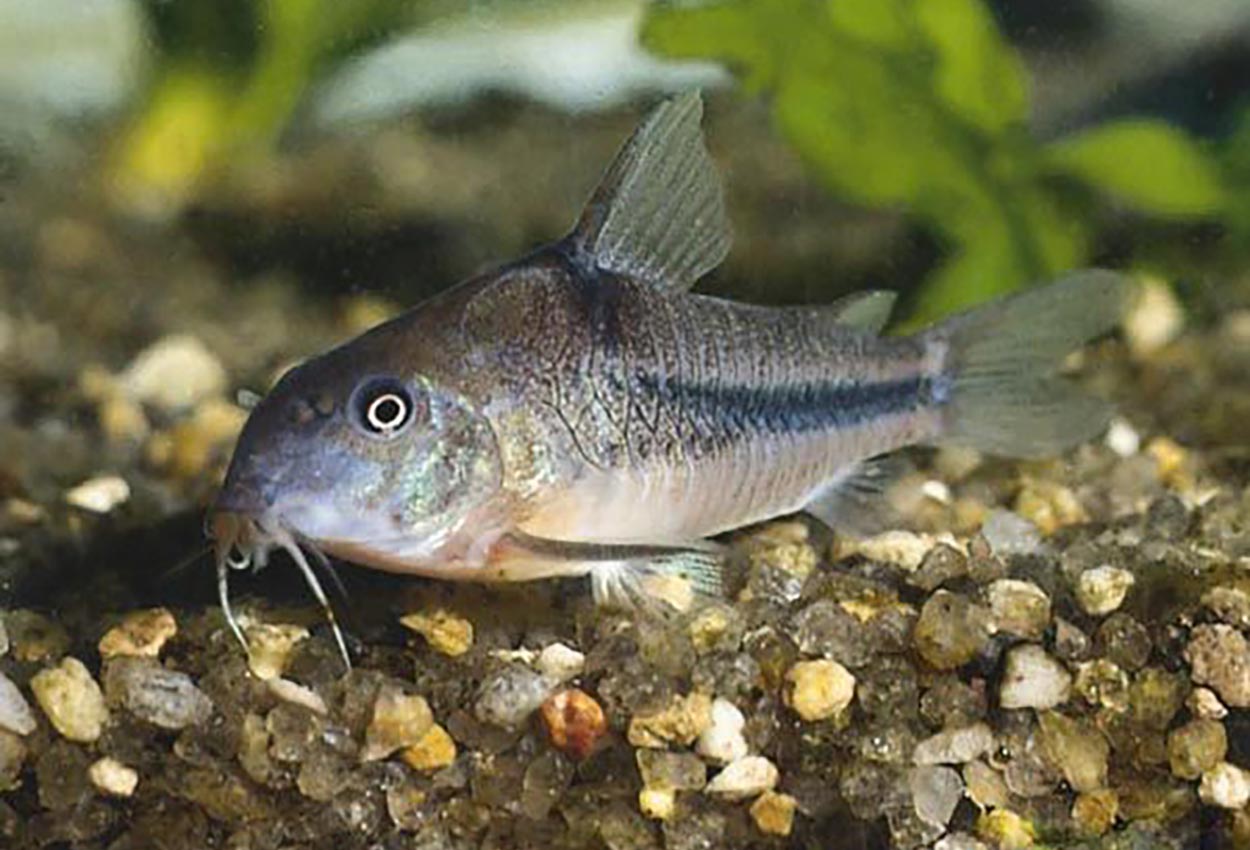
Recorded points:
955,149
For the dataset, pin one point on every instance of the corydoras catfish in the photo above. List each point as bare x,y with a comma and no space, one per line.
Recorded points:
582,412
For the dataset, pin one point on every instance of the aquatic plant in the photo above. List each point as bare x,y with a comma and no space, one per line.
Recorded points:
226,80
924,106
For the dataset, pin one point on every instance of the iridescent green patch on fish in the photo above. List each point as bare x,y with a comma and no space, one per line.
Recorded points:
581,412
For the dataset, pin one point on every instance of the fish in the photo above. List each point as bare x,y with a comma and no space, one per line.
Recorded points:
582,412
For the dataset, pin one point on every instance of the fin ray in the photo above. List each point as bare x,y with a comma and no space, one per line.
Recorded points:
658,215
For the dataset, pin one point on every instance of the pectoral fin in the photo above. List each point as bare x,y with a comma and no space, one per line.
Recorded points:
623,575
658,215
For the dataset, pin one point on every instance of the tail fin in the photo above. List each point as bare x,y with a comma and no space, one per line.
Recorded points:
1005,395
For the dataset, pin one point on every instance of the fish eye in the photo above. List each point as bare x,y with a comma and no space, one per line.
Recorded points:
384,407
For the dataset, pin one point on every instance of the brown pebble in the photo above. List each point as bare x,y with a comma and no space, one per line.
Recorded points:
574,721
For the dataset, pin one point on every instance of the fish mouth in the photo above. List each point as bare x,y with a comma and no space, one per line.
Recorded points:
244,541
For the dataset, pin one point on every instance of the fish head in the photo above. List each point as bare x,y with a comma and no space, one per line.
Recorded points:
353,452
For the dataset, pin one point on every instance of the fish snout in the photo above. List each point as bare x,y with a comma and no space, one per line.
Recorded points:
244,497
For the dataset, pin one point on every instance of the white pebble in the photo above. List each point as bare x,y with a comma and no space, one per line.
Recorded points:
297,694
723,741
1225,785
174,373
1205,704
955,746
1102,589
113,778
935,791
1155,319
99,495
16,715
747,777
936,490
1033,679
1122,438
561,662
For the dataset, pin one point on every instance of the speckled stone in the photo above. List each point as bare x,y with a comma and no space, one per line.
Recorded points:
744,778
1094,812
1219,656
1019,608
434,751
1102,590
680,722
141,633
160,696
819,690
71,699
951,630
1033,679
574,721
1196,747
399,720
1075,749
773,813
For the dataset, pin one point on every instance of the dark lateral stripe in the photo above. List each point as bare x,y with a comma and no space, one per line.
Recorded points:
802,408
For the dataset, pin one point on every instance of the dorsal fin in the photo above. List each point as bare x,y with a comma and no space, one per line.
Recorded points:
866,311
658,214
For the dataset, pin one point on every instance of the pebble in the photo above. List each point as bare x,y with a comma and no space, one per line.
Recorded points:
1049,506
1155,319
445,631
1196,747
935,791
1102,589
269,647
1225,785
657,803
1010,534
746,777
1122,438
1019,607
16,715
1229,604
905,549
1203,702
99,495
951,630
174,373
162,697
1102,683
820,689
1219,656
960,841
71,699
1075,748
1006,830
399,720
187,449
773,813
574,721
986,786
435,751
140,634
955,746
715,627
561,662
113,778
13,752
680,722
1033,679
676,771
35,638
1095,812
508,697
723,742
297,694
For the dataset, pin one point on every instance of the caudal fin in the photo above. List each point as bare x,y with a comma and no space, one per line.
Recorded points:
1005,393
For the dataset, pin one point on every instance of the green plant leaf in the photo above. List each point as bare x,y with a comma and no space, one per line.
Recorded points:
978,73
1147,164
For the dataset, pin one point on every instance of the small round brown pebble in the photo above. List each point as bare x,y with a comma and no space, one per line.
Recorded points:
574,721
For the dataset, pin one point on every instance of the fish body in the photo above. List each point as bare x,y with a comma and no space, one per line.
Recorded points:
581,411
